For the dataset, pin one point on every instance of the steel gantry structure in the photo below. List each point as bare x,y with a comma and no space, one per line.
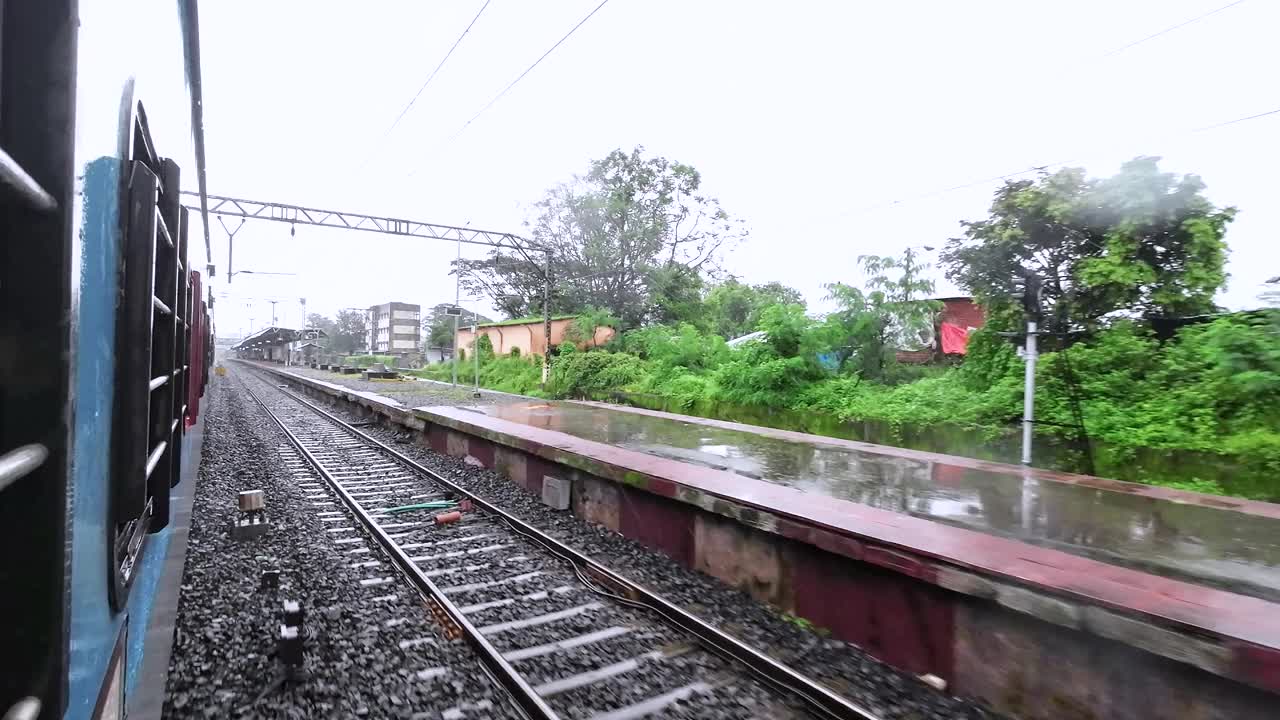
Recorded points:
221,205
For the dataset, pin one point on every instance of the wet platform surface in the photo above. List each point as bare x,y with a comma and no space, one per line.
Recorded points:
1180,536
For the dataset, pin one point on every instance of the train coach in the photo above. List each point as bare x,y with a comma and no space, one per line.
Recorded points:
105,338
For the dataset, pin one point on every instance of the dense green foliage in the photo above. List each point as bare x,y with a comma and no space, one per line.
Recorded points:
1214,388
1115,254
635,235
891,313
1142,243
368,360
344,335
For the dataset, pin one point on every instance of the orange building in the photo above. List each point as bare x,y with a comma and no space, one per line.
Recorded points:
527,334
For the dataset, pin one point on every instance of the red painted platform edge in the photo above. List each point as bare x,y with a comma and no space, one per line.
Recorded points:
1186,497
1194,608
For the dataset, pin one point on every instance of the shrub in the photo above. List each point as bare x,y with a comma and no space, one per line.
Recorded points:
680,347
368,360
511,374
594,374
757,377
686,389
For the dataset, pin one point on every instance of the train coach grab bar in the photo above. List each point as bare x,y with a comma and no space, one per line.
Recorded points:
13,174
16,464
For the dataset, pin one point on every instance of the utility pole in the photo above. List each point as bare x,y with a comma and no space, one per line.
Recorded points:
1032,289
303,333
457,298
1029,393
546,322
475,333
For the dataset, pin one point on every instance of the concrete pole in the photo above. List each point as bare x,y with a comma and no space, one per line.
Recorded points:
1029,393
303,339
457,298
546,322
475,333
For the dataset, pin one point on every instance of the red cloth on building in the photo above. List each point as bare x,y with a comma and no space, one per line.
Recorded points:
955,339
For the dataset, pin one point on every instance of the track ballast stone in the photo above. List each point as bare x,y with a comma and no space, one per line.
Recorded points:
365,644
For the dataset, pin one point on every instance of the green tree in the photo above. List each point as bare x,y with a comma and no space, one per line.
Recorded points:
321,322
611,236
677,296
1142,243
734,309
891,313
583,329
349,332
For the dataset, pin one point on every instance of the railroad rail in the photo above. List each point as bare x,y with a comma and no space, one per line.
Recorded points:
508,565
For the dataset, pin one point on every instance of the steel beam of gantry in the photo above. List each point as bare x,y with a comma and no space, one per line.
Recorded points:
299,215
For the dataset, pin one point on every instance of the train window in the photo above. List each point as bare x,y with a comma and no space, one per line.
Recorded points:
152,348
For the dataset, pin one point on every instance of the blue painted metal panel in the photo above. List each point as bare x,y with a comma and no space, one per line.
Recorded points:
93,628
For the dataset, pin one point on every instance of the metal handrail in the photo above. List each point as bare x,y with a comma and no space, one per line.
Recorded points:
154,458
13,174
28,708
18,463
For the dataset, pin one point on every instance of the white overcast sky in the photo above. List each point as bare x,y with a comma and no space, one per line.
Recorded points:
827,126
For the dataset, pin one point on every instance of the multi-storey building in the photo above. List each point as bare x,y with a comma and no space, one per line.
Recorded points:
395,328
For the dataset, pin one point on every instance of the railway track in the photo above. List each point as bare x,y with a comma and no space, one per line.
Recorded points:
562,635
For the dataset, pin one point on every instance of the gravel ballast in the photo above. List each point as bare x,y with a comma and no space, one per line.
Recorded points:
365,644
839,665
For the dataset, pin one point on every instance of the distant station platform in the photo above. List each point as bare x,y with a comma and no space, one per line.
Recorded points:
1222,542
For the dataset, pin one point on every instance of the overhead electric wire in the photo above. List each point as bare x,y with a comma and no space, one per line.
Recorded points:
1171,28
520,77
1215,126
535,64
408,106
1033,168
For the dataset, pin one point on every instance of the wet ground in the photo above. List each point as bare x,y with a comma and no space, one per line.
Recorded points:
410,392
1223,548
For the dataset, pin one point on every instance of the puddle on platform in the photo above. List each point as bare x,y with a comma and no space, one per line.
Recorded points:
1206,545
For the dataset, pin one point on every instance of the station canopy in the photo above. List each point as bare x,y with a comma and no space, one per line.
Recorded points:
267,337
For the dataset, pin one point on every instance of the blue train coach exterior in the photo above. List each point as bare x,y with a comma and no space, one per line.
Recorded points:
105,340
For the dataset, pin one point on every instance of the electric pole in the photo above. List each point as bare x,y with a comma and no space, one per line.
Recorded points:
546,322
1032,289
457,310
